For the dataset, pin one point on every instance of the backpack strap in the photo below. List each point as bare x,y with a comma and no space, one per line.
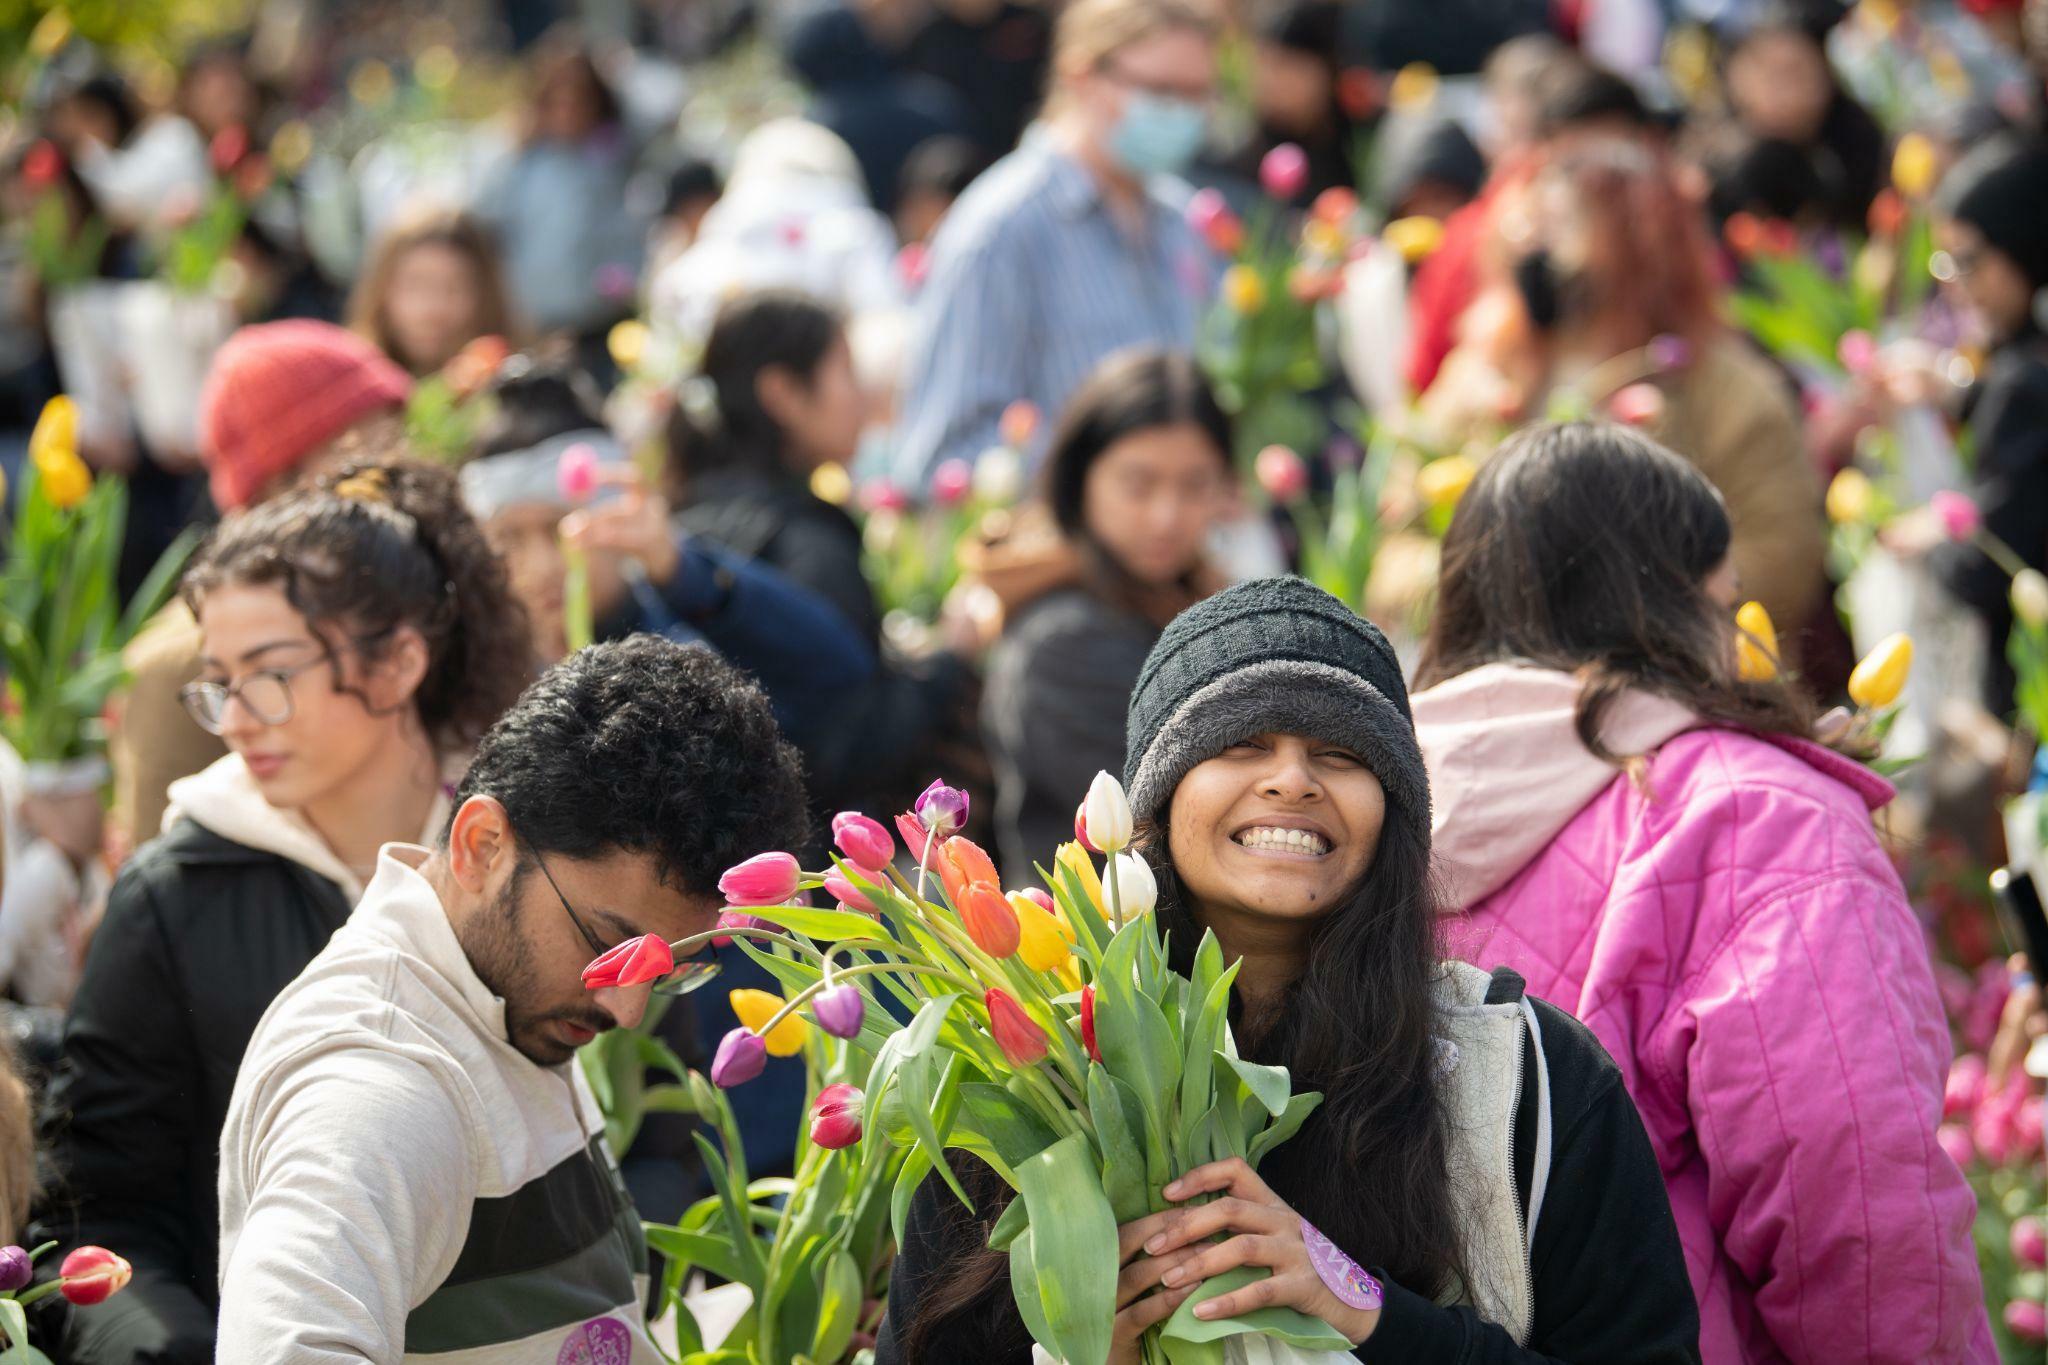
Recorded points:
1539,1176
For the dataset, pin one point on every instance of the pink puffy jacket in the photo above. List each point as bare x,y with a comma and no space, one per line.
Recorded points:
1740,943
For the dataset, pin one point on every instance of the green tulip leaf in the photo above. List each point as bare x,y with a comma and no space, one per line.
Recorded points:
1074,1248
826,926
916,1166
1197,1077
838,1307
1013,1220
1299,1107
1024,1289
1015,1131
903,1049
713,1253
1116,1114
1289,1325
1269,1083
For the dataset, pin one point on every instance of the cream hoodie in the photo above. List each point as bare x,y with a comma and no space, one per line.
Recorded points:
1507,771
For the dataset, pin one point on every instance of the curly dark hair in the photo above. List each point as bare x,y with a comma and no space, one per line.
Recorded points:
649,746
371,548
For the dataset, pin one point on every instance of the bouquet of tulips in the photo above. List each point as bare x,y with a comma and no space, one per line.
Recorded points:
1048,1036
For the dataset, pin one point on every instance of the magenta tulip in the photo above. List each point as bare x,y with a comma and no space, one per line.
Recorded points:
1958,515
16,1269
850,897
1281,473
862,842
764,879
742,1055
951,482
576,473
1284,171
839,1010
2030,1242
2027,1319
836,1115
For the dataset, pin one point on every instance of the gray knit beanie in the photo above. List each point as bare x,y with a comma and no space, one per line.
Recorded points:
1271,656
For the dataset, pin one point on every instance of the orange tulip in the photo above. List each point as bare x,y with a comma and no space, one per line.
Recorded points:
960,864
989,920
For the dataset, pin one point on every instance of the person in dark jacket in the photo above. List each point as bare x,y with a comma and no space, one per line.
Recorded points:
1137,477
1993,232
1280,794
358,637
776,399
1781,89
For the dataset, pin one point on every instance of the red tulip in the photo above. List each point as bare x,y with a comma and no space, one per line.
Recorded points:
1284,171
576,473
960,864
43,164
632,963
1887,213
1088,1022
1021,1040
989,920
1081,828
228,148
93,1275
1281,473
841,888
764,879
862,842
836,1115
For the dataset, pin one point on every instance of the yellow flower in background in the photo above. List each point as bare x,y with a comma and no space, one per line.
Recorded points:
65,479
436,66
1850,497
831,483
56,430
1243,290
1440,483
1881,677
292,147
1323,238
756,1008
1075,859
1914,165
627,343
1414,237
1415,85
1689,62
1756,646
51,32
370,84
2030,597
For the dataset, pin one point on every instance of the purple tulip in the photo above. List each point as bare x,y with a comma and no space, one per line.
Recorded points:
1670,352
942,809
742,1055
15,1269
839,1010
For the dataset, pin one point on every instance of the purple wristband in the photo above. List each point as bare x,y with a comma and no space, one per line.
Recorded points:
1343,1276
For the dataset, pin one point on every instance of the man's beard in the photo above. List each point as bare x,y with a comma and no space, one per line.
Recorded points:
503,960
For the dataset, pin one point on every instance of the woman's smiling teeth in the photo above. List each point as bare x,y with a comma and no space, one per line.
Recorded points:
1266,838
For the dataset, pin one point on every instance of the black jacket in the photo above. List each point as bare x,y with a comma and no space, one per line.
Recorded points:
880,747
1610,1278
200,934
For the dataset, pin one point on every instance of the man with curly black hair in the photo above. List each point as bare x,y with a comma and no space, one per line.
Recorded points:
413,1167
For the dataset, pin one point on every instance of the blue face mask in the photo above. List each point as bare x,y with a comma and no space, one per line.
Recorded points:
1158,134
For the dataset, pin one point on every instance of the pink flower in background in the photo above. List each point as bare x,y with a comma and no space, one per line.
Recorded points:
576,473
1638,405
2027,1319
1958,515
841,888
2030,1241
1284,171
1857,351
952,481
614,281
1965,1089
914,264
1954,1139
1282,473
882,496
1213,221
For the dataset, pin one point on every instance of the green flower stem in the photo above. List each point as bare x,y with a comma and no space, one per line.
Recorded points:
678,949
804,996
1999,553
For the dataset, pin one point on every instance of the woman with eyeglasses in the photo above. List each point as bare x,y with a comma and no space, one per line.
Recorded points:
359,636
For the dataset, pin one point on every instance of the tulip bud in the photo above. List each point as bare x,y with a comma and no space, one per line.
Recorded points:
1850,496
1283,171
952,481
741,1057
16,1269
1074,858
2027,1320
961,863
2029,1241
1281,474
840,1009
1210,216
1040,942
1915,165
633,963
1088,1022
1958,515
1442,482
1857,350
1021,1040
1108,813
1881,677
862,842
55,431
1044,901
1019,424
2030,597
989,920
93,1275
1756,644
756,1008
1081,826
576,473
1243,290
1955,1139
836,1115
1137,891
1414,238
1334,206
764,879
850,897
942,809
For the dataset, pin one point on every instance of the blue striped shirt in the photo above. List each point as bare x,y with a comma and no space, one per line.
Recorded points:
1033,282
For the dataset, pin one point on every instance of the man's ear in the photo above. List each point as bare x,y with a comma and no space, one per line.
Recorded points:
481,843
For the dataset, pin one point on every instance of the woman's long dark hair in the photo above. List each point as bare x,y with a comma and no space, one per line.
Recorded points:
726,427
1585,547
1360,1026
1131,392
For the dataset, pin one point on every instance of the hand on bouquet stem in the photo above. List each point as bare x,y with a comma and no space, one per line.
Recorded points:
1259,1229
632,526
1142,1303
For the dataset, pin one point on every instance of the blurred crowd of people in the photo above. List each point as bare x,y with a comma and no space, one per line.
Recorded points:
940,214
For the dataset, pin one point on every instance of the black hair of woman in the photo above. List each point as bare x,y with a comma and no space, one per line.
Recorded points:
720,421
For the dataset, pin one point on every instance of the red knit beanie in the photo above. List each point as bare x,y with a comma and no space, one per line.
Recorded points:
279,391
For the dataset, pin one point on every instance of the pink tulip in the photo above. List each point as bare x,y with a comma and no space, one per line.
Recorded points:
1088,1022
850,897
576,473
742,1055
1284,171
1042,899
764,879
951,482
1282,473
862,842
836,1115
1670,351
942,809
1954,1139
839,1010
739,919
1638,405
2027,1319
1965,1088
1958,515
882,496
1857,351
93,1275
633,963
2030,1241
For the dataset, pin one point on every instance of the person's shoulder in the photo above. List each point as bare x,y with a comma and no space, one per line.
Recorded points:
1721,765
1007,202
1070,620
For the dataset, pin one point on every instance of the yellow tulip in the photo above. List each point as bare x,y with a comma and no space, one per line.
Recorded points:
1881,677
627,343
1414,237
1756,645
1850,496
371,83
1075,859
292,146
65,480
2030,597
1440,483
831,483
56,430
1323,238
1039,941
1414,86
756,1008
1914,165
1243,290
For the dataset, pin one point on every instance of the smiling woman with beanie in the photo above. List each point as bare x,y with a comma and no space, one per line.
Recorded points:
1475,1156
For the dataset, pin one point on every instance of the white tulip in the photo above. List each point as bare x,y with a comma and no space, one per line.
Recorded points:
1137,891
1107,815
2030,597
999,476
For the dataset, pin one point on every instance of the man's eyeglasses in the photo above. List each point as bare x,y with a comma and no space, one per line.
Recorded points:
267,695
688,975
